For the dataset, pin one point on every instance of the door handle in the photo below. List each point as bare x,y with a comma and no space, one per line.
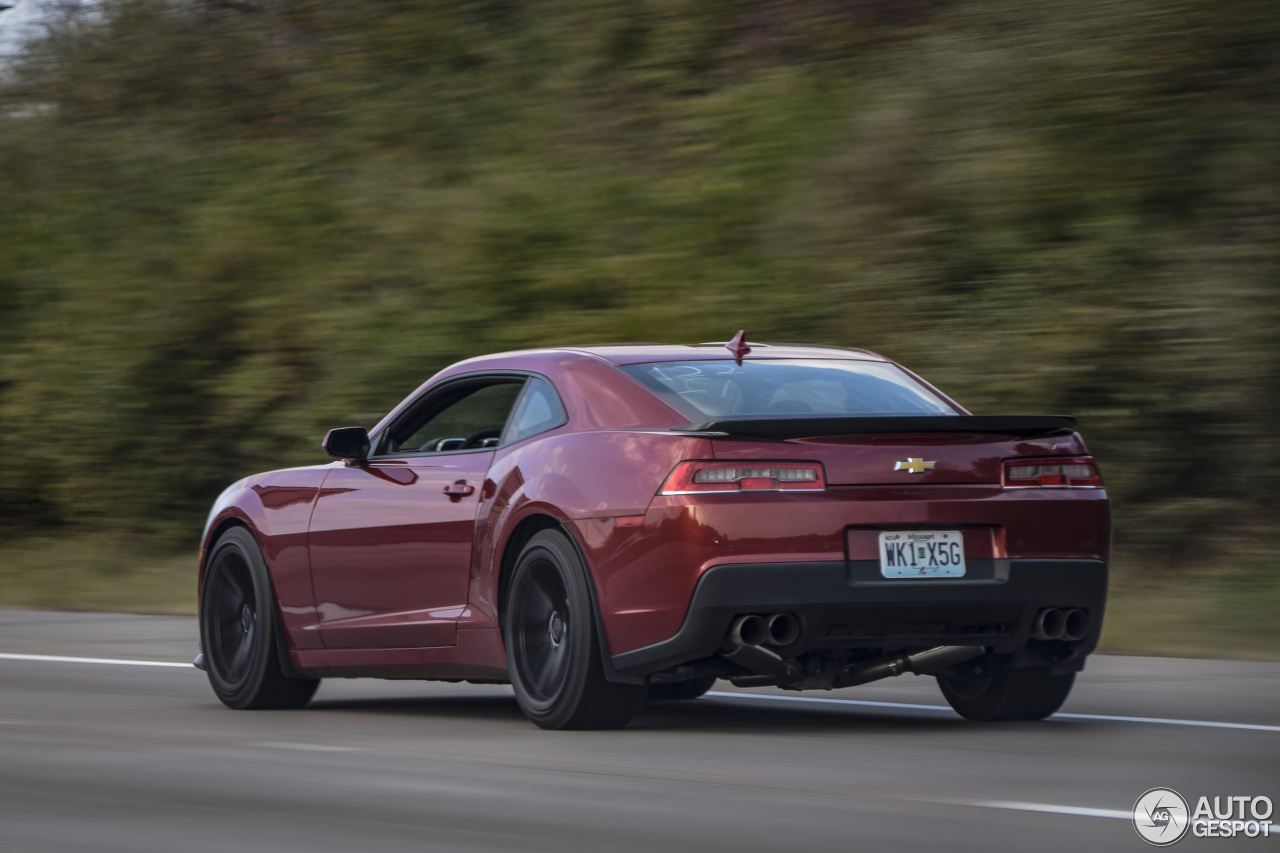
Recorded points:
459,489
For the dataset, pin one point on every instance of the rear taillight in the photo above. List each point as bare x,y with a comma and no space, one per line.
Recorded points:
1079,471
698,477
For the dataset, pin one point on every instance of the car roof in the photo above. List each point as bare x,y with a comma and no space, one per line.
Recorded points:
585,362
620,354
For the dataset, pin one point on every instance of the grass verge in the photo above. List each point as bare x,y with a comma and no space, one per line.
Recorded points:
1228,613
96,573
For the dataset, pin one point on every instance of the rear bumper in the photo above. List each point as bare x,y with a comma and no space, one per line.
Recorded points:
846,605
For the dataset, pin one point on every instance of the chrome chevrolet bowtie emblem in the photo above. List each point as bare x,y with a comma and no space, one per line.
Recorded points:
914,465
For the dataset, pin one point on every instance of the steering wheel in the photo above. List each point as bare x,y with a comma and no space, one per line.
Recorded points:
476,438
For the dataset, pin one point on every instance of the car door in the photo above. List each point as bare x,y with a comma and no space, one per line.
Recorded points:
391,540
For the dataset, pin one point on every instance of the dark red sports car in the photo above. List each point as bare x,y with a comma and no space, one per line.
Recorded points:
604,525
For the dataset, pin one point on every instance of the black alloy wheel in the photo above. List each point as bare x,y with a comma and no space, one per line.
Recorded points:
1007,694
553,649
541,621
238,630
233,619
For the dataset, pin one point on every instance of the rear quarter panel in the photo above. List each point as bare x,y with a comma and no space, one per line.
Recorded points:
592,483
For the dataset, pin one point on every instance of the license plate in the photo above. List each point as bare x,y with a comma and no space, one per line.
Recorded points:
922,554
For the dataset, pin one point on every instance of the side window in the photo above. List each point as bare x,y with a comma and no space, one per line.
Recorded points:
470,416
539,410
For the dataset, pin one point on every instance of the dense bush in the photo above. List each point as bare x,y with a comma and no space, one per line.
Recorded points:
228,226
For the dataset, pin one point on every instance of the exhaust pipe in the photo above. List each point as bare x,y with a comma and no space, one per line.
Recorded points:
1075,625
742,646
748,631
1049,624
928,662
784,629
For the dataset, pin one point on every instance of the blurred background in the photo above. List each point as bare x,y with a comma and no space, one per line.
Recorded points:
229,225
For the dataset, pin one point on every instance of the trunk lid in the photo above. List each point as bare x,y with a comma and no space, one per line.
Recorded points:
894,453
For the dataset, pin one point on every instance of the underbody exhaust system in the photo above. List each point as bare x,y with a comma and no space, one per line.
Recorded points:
748,635
1054,624
928,662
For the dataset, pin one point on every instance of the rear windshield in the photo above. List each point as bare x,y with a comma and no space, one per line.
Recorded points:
787,388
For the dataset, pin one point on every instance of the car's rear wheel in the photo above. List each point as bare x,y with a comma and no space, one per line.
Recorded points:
238,630
553,651
1008,694
681,690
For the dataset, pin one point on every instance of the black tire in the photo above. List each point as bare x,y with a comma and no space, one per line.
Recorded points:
553,651
681,690
1008,694
238,630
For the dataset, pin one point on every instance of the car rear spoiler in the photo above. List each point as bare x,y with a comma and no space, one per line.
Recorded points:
784,428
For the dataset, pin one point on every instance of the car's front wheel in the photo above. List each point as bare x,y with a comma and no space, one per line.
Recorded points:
1008,694
553,651
238,630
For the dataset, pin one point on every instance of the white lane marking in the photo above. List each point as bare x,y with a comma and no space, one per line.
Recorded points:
1163,721
1160,721
1074,811
865,703
306,747
112,661
824,701
1049,808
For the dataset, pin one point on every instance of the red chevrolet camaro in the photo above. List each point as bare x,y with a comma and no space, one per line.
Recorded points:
601,526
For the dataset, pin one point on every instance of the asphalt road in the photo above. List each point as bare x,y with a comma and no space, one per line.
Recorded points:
107,756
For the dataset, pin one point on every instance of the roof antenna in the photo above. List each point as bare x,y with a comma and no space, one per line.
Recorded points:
738,347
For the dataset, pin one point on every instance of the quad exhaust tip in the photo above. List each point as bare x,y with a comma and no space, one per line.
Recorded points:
1076,625
784,629
1055,624
1049,624
744,645
748,631
780,629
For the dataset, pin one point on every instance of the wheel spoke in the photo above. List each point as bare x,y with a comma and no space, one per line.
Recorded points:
239,658
538,672
555,664
542,597
229,624
536,651
228,598
241,583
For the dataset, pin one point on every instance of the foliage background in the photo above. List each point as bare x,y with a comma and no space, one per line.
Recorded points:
227,226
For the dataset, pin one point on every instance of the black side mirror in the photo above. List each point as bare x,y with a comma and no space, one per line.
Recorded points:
351,443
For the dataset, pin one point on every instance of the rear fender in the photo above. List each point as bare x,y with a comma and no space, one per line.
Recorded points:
556,520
